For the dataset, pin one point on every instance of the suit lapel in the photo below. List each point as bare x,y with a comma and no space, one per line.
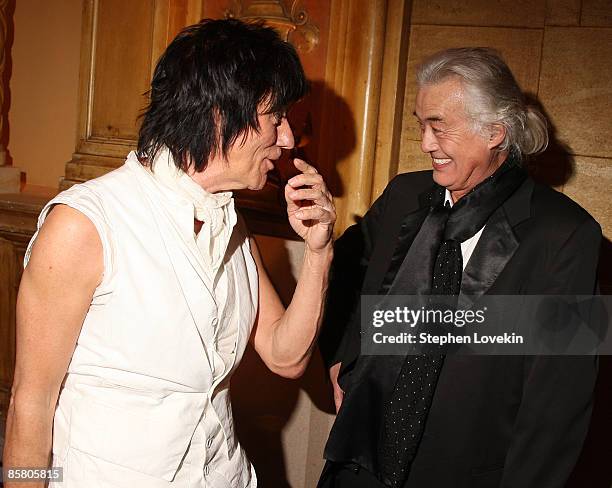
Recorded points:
496,246
398,233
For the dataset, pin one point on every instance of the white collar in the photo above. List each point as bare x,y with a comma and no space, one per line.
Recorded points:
447,197
215,210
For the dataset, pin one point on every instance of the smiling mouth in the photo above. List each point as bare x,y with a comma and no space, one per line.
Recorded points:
441,162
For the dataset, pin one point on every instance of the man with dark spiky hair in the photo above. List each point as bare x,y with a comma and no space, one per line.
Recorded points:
143,287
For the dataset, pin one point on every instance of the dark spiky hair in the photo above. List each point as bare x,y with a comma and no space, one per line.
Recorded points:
208,85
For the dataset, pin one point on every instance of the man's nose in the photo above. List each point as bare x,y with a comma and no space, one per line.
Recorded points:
284,135
428,140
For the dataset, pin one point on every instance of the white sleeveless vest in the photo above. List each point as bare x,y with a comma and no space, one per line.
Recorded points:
146,401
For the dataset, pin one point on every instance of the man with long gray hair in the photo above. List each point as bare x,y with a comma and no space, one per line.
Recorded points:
476,225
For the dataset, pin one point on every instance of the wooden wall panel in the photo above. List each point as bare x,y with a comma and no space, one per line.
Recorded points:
508,13
411,158
589,185
118,88
579,101
392,90
596,13
563,12
120,45
18,215
8,258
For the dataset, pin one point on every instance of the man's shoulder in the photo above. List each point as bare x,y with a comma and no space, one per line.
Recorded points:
403,192
556,213
412,181
552,204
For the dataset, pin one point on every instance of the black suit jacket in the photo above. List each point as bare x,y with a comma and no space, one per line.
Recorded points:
495,421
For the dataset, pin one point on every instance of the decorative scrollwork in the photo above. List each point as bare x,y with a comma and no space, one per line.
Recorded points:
292,23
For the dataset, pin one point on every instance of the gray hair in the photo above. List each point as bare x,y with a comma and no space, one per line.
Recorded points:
492,96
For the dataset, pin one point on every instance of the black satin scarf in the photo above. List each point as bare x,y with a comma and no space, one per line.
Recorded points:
422,232
432,264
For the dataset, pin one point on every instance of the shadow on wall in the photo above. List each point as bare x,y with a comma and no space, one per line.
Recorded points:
554,167
336,135
263,402
320,144
263,405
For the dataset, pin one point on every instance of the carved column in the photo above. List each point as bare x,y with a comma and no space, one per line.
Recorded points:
9,176
354,73
392,88
290,19
3,35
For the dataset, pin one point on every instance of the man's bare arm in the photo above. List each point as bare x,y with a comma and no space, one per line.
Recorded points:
65,267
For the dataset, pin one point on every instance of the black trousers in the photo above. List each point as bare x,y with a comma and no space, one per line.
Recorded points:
337,475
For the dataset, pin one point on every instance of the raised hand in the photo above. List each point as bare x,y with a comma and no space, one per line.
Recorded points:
310,206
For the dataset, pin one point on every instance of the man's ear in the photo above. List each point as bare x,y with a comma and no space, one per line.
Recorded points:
497,134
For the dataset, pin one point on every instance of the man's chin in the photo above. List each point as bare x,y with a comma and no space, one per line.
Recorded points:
258,186
442,178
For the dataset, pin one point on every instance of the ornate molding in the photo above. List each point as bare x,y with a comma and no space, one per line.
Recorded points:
289,17
3,36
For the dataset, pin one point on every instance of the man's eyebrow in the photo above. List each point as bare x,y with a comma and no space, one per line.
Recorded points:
431,118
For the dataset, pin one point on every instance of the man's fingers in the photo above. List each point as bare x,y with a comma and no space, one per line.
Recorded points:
307,196
320,198
304,167
307,179
322,215
312,195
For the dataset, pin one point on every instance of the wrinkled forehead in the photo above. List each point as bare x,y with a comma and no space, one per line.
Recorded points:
440,100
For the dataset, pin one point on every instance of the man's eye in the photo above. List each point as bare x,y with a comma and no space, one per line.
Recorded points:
278,118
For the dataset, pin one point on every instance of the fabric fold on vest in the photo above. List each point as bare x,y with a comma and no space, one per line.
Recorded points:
215,210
